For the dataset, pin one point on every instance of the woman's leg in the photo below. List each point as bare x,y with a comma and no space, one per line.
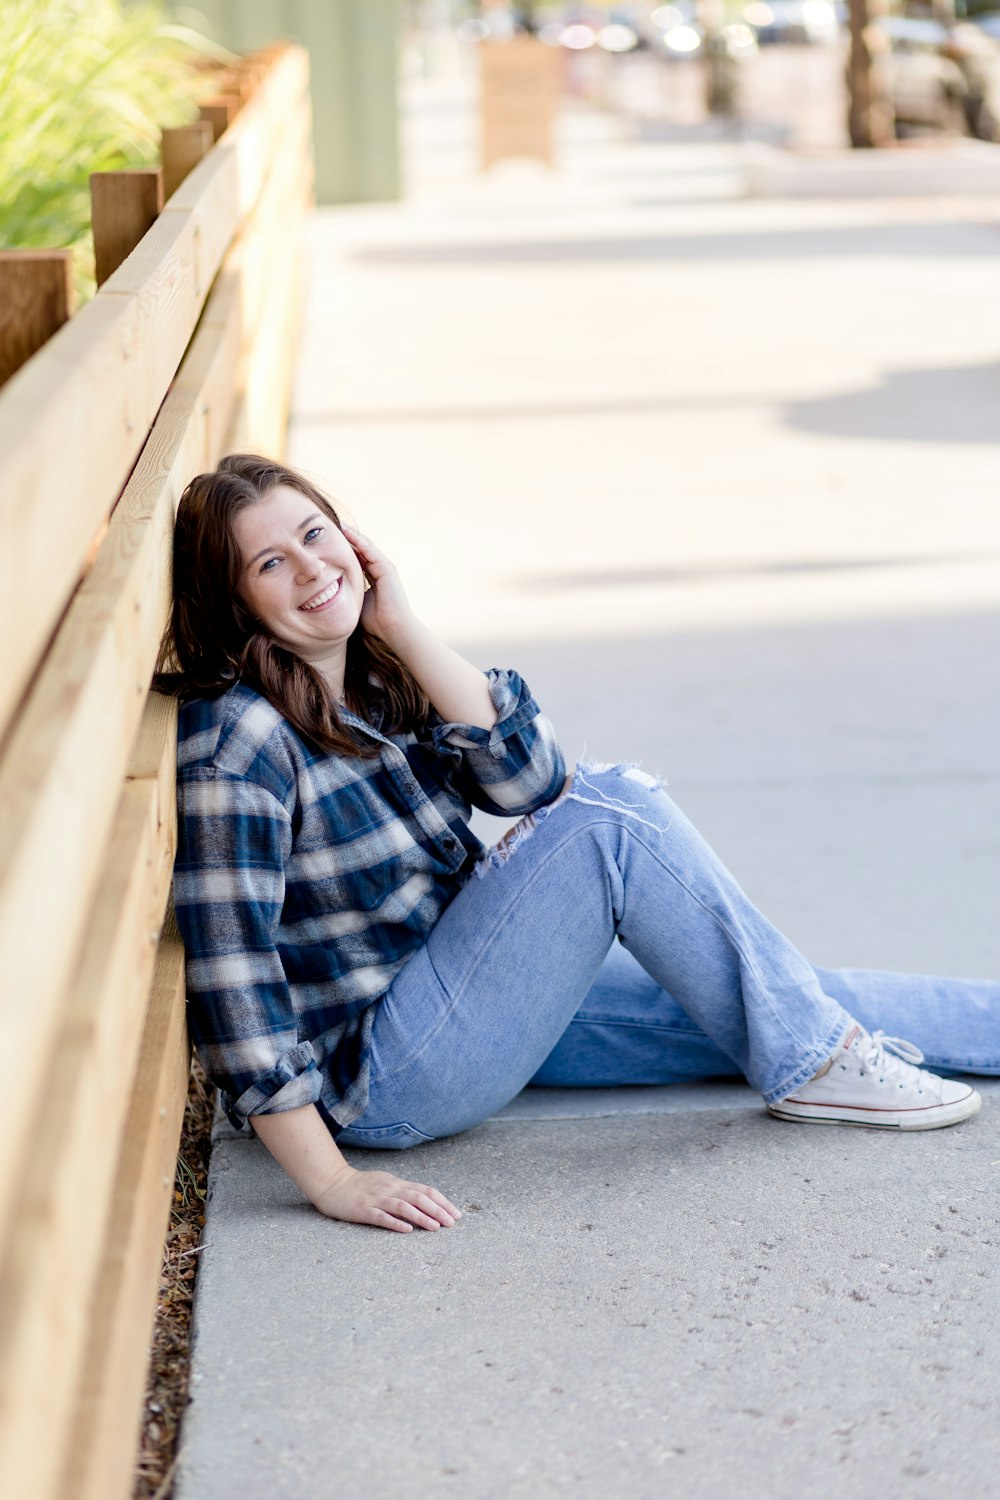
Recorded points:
473,1015
629,1030
954,1022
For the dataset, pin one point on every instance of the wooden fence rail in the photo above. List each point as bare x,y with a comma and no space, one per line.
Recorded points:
185,352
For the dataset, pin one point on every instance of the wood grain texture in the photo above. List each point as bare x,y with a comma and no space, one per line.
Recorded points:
71,426
181,149
36,299
74,418
87,772
263,412
124,206
61,772
103,1434
52,1248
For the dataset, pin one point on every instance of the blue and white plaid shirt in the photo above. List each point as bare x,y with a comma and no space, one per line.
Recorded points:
304,881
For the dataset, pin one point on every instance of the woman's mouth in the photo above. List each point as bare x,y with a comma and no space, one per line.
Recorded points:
330,592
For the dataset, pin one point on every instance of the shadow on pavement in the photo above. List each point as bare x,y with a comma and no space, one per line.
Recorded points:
694,572
958,239
955,404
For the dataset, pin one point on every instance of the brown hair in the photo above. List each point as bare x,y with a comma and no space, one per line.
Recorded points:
212,640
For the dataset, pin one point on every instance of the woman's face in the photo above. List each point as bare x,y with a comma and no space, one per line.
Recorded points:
301,577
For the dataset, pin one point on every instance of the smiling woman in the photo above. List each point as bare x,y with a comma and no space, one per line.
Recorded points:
302,580
351,983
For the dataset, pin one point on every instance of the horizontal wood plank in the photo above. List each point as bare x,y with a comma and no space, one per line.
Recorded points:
54,1235
86,776
266,236
62,768
100,381
262,415
100,1454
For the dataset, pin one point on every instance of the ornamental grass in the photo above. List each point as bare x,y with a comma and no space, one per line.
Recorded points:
86,86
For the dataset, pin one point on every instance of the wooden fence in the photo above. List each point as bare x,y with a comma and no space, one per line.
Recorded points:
185,353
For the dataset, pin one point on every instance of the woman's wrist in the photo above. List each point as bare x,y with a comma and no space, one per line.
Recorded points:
326,1198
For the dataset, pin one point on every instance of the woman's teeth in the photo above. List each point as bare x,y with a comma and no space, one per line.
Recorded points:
324,597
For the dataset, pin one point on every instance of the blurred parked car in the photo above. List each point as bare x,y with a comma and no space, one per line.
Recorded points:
975,46
943,77
927,84
679,34
793,21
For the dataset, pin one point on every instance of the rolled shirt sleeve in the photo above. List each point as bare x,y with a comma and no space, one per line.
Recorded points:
516,766
234,838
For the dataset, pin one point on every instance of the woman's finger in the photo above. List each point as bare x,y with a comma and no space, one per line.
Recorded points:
383,1220
444,1203
430,1205
412,1214
360,542
437,1200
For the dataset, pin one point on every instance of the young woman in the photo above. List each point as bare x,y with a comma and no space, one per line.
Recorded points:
362,971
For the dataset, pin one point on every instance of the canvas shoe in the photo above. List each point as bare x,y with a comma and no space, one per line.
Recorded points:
874,1080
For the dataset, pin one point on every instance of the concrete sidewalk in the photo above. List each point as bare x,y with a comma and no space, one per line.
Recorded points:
721,478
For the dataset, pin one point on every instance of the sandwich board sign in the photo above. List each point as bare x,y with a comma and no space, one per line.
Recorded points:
520,82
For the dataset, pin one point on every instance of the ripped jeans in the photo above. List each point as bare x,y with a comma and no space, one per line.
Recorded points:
522,980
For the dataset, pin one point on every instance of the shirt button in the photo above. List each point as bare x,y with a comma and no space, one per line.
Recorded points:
409,787
450,843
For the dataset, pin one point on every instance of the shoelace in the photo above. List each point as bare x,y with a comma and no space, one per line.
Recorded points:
887,1053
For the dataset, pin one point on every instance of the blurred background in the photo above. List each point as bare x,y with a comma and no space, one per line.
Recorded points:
819,73
809,69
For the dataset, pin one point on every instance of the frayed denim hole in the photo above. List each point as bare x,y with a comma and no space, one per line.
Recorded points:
629,771
497,857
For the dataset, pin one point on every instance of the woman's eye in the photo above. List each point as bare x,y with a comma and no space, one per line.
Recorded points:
268,566
314,531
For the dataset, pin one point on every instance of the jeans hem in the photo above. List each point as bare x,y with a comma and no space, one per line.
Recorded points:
810,1067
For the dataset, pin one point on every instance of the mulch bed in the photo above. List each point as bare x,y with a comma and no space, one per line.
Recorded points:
169,1368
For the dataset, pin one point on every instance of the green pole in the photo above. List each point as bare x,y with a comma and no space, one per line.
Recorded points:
353,57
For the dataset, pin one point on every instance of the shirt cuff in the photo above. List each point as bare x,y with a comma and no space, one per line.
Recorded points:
292,1083
515,708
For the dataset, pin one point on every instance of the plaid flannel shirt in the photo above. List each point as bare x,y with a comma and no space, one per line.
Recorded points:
304,881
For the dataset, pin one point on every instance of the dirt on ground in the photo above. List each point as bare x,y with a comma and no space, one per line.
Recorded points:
169,1368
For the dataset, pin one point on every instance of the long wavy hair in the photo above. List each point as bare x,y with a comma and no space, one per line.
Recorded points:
212,640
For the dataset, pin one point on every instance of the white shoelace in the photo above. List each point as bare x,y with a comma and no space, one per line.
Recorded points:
888,1053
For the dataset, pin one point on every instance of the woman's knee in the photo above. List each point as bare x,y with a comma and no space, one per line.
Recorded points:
623,789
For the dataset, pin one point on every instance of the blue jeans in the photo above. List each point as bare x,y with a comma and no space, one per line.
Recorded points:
521,981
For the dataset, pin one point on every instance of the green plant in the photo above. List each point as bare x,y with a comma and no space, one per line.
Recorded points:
86,86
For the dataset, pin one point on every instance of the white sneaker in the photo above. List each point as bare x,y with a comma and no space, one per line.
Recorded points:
873,1080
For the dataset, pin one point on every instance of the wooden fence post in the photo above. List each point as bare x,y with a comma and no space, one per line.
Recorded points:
181,149
123,206
36,298
220,111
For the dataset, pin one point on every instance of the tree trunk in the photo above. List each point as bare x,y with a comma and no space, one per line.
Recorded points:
870,118
720,76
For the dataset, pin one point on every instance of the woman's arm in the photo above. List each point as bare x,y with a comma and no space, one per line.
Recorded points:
300,1142
456,688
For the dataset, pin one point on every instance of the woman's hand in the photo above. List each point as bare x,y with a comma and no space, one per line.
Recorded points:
387,1201
386,610
301,1143
458,691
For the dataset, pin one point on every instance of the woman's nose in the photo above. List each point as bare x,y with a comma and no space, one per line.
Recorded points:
310,567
